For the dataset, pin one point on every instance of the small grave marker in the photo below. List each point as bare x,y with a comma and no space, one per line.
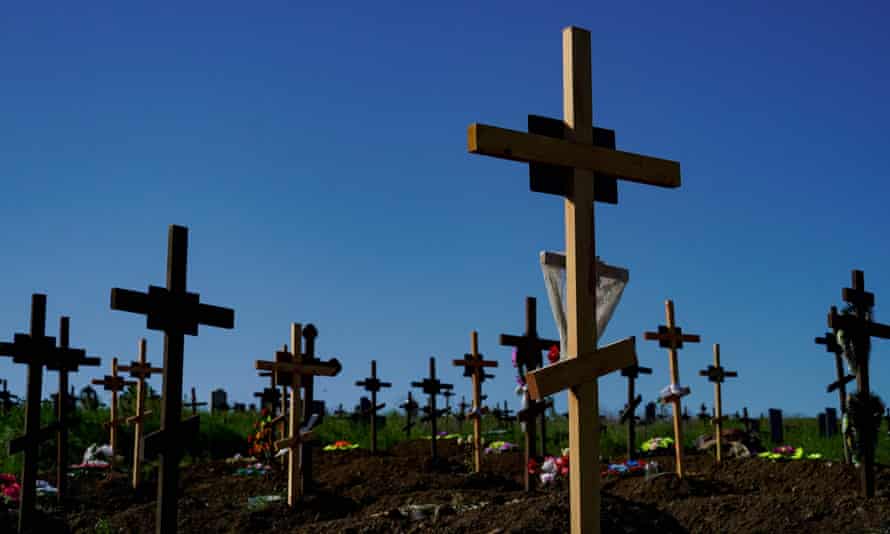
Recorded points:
7,399
627,415
703,414
823,427
432,387
671,337
194,404
752,426
176,312
219,401
115,384
776,428
717,374
831,421
474,365
141,370
651,414
372,384
410,406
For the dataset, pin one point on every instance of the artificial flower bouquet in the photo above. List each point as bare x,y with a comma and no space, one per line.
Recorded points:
552,469
787,452
499,447
656,443
260,440
10,489
341,445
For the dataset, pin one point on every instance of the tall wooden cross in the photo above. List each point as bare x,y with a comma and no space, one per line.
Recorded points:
115,384
576,151
194,405
528,358
410,406
474,367
176,312
432,387
627,415
141,370
671,337
373,385
860,330
832,346
295,370
68,361
36,350
717,374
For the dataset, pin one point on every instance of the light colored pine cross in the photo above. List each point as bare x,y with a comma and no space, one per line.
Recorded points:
717,374
141,370
584,362
294,370
115,384
474,366
671,337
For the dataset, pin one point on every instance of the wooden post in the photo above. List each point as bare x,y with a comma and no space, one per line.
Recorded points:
410,407
575,151
718,375
671,337
373,385
432,387
115,384
860,329
633,400
840,384
177,313
474,367
141,370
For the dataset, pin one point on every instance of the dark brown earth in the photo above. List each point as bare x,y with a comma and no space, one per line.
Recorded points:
358,493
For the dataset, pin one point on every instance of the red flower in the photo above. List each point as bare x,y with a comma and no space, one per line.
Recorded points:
532,466
553,355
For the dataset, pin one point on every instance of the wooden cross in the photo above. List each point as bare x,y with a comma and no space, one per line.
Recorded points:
474,367
448,395
7,399
410,407
310,333
36,350
141,370
432,387
861,330
373,385
296,369
462,409
528,358
506,414
832,346
194,404
176,312
576,151
717,374
68,361
748,421
529,416
627,415
115,384
703,414
671,337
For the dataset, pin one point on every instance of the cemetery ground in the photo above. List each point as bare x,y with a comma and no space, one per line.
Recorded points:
401,490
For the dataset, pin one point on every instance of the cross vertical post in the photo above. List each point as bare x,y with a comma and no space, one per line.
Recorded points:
310,333
474,367
141,370
410,407
194,404
115,384
717,374
671,337
633,400
373,385
840,384
432,387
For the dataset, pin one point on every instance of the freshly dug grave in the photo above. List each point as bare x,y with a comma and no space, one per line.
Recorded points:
360,493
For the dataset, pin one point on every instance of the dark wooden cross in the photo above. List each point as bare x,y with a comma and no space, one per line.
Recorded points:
176,312
529,416
295,370
115,384
194,404
141,370
432,387
448,395
749,422
528,358
840,384
507,414
671,337
474,365
7,399
703,414
373,385
36,350
860,330
717,374
461,415
68,361
410,406
576,151
628,415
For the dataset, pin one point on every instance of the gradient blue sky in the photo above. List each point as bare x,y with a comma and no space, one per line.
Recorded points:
317,153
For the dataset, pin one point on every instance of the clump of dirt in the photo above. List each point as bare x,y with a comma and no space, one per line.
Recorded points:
400,490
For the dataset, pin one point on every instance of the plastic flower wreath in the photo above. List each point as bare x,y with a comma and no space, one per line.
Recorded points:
341,445
787,452
656,443
260,440
499,447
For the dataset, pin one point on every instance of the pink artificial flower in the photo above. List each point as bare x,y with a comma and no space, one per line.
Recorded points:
6,478
12,492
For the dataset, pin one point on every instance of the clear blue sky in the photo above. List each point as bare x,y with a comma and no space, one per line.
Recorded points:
317,153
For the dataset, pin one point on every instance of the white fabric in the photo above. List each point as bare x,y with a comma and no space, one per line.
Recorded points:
610,284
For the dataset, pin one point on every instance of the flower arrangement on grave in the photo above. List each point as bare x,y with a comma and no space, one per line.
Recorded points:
260,440
446,435
551,469
787,452
653,444
499,447
626,468
863,415
10,489
341,445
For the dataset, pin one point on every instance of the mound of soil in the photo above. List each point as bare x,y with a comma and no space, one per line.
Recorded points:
402,491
